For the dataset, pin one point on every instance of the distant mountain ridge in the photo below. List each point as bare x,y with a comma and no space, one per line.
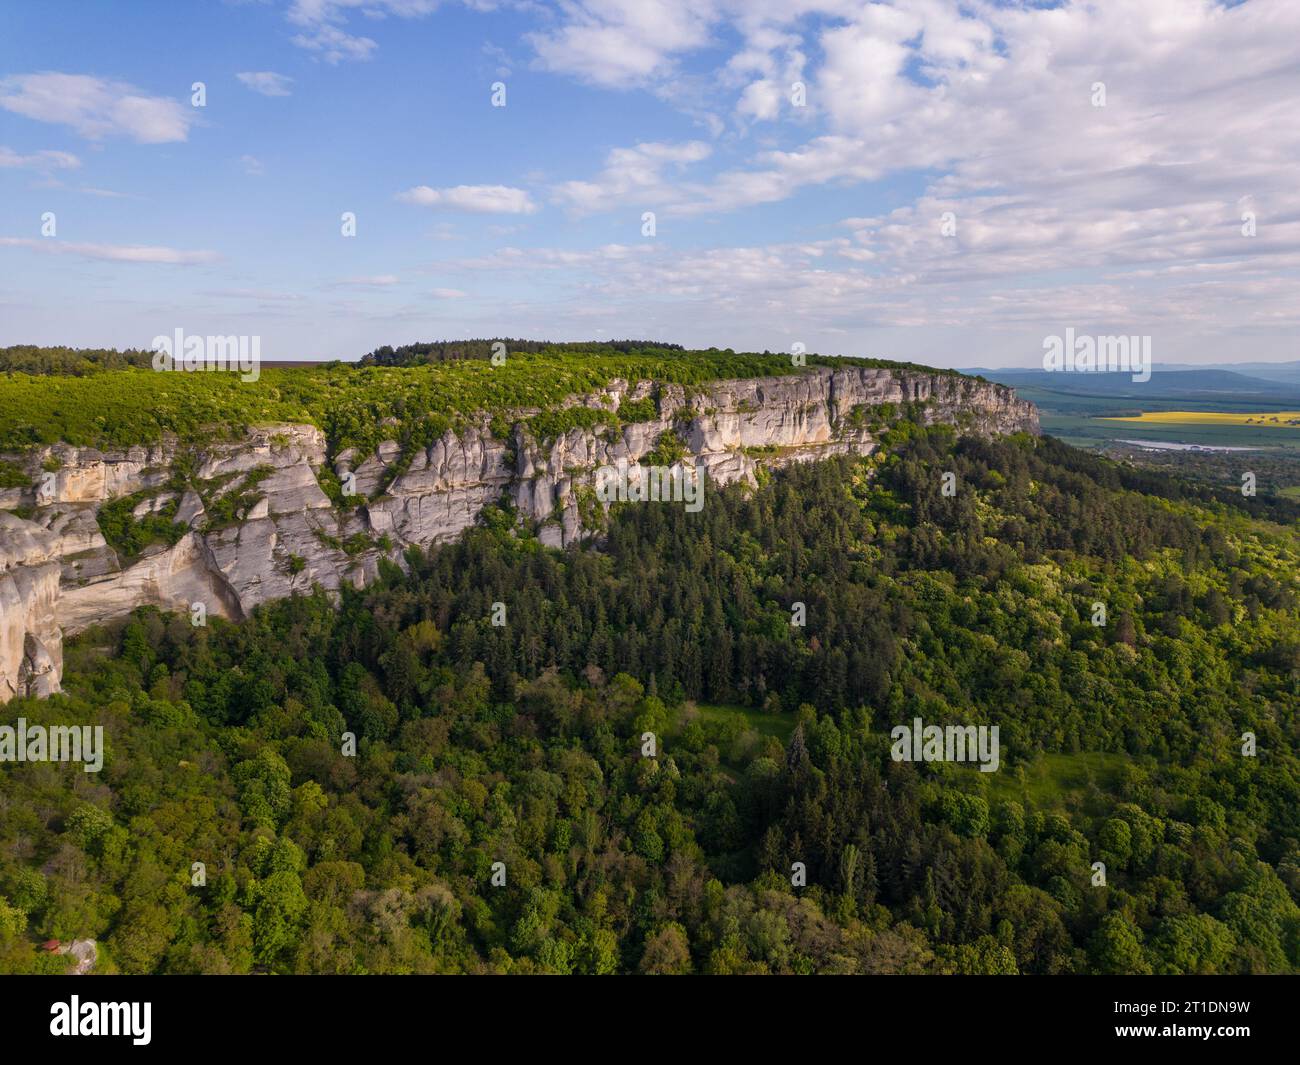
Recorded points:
1199,384
1286,372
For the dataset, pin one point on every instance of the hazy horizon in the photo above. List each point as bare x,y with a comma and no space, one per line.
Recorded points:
1157,365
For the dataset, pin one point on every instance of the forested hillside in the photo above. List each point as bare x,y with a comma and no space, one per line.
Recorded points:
522,743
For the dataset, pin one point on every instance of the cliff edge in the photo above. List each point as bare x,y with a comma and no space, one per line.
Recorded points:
235,524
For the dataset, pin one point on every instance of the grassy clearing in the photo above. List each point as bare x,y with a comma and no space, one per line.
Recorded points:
765,724
1055,778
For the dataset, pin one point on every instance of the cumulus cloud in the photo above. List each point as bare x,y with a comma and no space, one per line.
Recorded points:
479,199
621,43
1141,199
635,174
267,82
96,107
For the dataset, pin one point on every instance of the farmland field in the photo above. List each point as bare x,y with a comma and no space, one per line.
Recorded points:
1261,419
1154,426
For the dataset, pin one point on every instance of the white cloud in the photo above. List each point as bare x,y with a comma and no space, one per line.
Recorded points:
121,253
322,24
622,43
529,259
374,281
252,165
267,82
43,160
631,175
447,293
480,199
823,294
96,107
761,99
334,45
996,101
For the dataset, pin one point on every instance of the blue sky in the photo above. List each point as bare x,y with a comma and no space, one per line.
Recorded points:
821,224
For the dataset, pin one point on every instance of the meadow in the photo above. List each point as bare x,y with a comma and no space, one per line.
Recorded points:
1058,781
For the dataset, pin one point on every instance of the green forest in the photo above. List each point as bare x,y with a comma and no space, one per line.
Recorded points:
501,814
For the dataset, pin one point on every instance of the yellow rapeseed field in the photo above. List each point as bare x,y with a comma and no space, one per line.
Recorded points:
1281,418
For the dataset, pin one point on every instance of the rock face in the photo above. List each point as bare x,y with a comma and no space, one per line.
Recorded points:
254,524
31,642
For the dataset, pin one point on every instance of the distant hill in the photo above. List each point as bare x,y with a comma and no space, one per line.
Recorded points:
1202,387
1286,372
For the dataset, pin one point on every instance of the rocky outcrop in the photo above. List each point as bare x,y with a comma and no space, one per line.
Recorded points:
727,429
254,523
286,539
31,641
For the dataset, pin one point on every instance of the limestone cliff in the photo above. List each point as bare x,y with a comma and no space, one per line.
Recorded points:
253,522
31,643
